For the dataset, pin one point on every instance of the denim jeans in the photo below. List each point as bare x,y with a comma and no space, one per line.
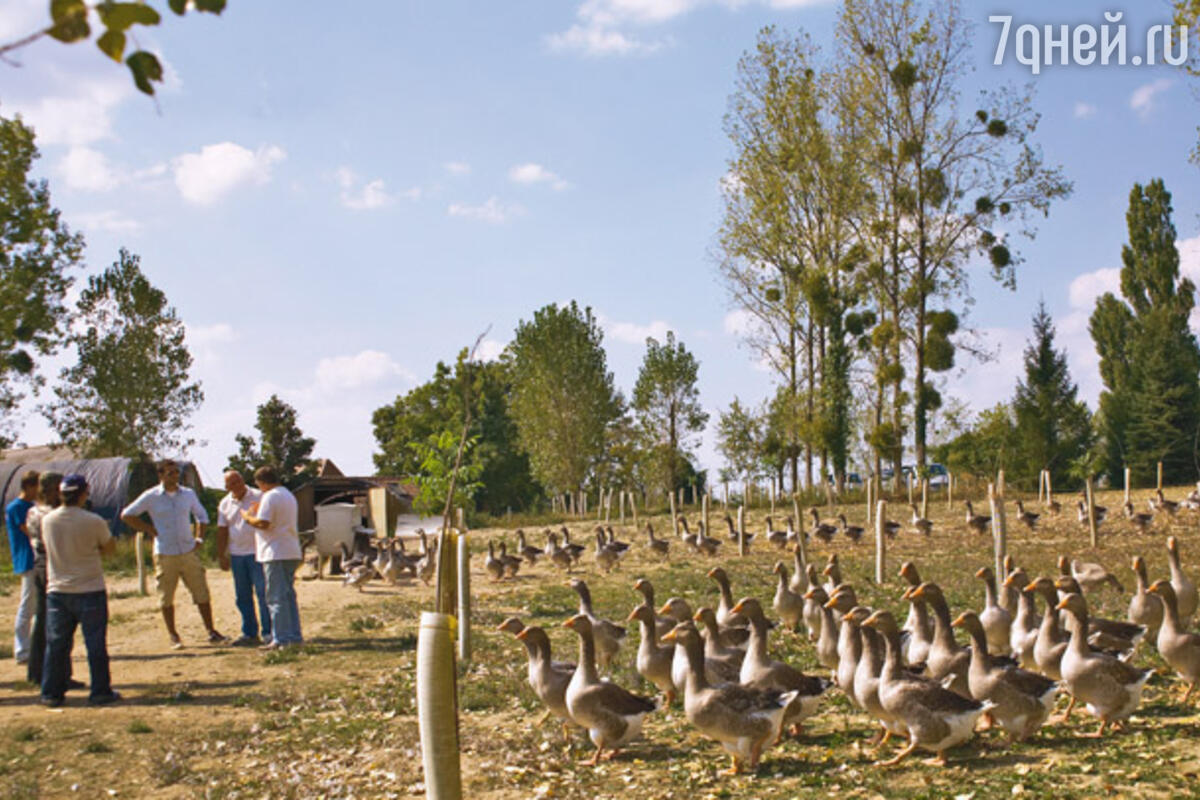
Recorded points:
249,583
88,610
37,634
26,608
281,599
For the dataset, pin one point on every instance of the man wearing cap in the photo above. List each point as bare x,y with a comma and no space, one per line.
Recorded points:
75,539
236,552
48,500
176,525
15,514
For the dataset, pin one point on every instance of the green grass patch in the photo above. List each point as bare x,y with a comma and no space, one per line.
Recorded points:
95,747
138,726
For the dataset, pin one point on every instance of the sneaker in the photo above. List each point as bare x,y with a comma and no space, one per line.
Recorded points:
104,699
217,638
52,702
271,646
246,641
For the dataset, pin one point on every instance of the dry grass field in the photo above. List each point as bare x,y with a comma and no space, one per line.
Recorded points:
336,717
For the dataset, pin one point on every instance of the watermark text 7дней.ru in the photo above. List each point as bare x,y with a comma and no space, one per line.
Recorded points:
1038,46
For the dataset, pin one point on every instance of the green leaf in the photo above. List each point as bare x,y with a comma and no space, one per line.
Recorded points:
112,44
211,6
145,68
70,20
178,6
121,16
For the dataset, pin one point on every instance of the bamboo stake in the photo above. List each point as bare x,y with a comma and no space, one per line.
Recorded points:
949,490
1000,482
1091,510
674,516
741,530
771,487
870,488
910,488
880,543
1049,489
464,597
999,528
1127,484
1160,476
1041,486
798,527
681,505
621,504
725,497
925,498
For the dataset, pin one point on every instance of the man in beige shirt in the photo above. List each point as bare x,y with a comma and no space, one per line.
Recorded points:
75,540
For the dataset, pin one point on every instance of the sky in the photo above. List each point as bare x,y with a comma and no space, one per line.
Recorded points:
334,197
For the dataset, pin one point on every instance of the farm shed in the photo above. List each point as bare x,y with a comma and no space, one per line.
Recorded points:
390,496
113,482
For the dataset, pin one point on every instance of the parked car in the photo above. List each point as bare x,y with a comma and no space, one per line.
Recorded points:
854,480
938,476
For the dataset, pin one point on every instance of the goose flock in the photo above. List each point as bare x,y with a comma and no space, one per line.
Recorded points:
912,677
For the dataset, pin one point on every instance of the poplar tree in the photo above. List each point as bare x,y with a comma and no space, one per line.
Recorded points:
666,398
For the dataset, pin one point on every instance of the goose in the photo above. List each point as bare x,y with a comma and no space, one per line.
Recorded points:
852,532
1144,608
1027,518
1185,590
996,621
382,555
547,678
908,571
743,720
677,609
812,613
358,576
920,524
660,547
798,582
1140,522
920,636
1091,576
833,572
947,661
528,551
977,522
612,715
735,535
428,561
402,562
726,617
511,563
820,530
1109,688
1161,503
663,624
653,659
573,550
492,565
1053,507
759,671
1024,632
722,671
787,604
391,567
700,542
606,636
1180,649
826,640
1009,595
615,544
1104,634
559,556
867,674
718,648
777,537
849,649
606,558
1051,639
1022,700
933,717
1081,513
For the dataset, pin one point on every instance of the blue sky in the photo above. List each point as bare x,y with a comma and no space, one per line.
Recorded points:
335,197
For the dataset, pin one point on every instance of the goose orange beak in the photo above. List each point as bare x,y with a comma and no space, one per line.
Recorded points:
917,593
809,594
871,621
831,603
669,636
712,572
738,609
1031,587
1010,581
1062,604
979,573
828,569
959,621
523,634
570,623
639,584
666,609
1156,587
632,616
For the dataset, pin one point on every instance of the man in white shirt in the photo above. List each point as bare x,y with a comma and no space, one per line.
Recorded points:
176,524
279,552
236,551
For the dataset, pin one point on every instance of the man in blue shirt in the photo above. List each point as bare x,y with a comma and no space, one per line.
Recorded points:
177,521
22,562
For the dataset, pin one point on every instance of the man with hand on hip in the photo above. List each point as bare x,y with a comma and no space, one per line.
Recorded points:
236,551
279,552
172,509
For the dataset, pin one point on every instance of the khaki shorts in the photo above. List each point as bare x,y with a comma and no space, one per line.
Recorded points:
169,569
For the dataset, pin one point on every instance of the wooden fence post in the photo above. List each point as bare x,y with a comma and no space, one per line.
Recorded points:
911,476
1049,489
1091,510
138,540
880,543
464,596
1160,476
949,490
741,530
798,526
704,512
999,528
633,509
1127,500
925,498
870,489
674,516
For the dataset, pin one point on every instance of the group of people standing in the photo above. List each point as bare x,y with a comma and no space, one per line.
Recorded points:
57,546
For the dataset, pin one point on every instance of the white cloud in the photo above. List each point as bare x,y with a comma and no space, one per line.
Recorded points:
1085,289
489,350
458,167
633,333
1084,110
108,221
1143,98
207,341
76,109
203,178
738,322
364,369
492,210
535,173
369,195
88,170
596,40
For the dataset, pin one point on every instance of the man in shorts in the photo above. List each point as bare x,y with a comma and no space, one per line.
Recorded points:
176,525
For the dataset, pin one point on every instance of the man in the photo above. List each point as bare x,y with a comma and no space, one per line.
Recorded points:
278,549
236,551
15,514
75,540
172,509
48,500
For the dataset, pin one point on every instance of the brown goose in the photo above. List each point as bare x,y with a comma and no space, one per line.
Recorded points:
759,671
1144,608
653,659
827,653
612,716
833,574
1051,639
867,674
1110,688
660,547
798,583
720,670
607,636
1027,518
1009,595
716,647
933,717
511,563
1022,699
526,550
492,565
849,648
1178,647
779,538
744,720
559,556
852,532
547,678
1105,634
996,621
946,659
726,617
820,530
1140,522
787,604
663,624
1091,576
1024,632
908,571
1185,590
977,522
812,605
920,524
920,638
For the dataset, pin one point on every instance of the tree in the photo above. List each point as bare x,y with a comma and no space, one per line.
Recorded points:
739,440
1053,428
1149,358
436,407
434,474
36,252
667,401
562,399
129,393
69,23
946,179
281,444
985,447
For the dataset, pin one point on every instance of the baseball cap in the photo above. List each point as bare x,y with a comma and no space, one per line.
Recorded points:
73,483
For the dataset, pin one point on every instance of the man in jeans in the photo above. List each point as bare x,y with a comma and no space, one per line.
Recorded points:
278,549
75,540
236,550
48,500
15,515
172,509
